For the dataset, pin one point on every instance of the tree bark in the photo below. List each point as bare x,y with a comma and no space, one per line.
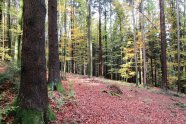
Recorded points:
8,30
163,46
100,44
33,93
135,44
178,42
144,47
54,65
65,43
1,10
20,35
90,64
72,36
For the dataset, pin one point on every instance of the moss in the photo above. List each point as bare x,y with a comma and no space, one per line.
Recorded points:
50,86
0,117
50,115
28,116
15,102
56,86
60,88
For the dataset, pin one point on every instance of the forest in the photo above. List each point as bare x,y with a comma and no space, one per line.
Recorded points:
92,61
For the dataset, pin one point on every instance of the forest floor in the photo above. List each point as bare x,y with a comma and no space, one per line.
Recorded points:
86,102
91,105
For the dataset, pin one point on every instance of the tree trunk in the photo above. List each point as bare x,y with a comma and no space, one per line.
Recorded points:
100,44
144,46
106,42
65,43
155,71
72,36
54,65
1,10
152,74
3,23
90,64
178,42
8,30
33,96
163,46
20,35
135,44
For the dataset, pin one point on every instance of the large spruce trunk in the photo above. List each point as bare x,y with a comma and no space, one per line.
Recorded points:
33,96
54,65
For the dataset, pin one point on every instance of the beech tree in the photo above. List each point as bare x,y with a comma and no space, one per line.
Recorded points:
33,96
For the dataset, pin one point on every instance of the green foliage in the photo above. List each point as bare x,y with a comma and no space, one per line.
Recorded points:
71,92
8,111
181,105
11,74
4,53
0,117
60,88
127,69
50,115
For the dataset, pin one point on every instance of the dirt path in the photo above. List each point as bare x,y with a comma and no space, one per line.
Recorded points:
135,106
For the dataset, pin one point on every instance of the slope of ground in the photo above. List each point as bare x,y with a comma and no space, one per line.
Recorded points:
92,106
135,106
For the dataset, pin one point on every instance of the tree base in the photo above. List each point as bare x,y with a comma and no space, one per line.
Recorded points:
29,116
25,116
56,87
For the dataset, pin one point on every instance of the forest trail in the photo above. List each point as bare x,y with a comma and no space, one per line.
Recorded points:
135,106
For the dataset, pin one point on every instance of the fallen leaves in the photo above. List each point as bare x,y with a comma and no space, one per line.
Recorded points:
136,106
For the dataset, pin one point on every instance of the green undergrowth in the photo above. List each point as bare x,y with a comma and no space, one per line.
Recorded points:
27,116
50,114
11,74
181,105
71,91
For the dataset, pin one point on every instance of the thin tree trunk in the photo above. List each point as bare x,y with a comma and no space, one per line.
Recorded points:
72,36
178,42
90,64
106,44
144,47
100,44
135,45
8,30
1,10
155,77
163,46
65,43
3,54
152,74
20,35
